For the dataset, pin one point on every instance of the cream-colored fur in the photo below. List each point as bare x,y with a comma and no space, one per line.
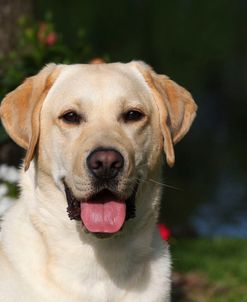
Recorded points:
45,256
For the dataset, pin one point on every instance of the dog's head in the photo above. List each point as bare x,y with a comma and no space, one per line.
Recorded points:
97,132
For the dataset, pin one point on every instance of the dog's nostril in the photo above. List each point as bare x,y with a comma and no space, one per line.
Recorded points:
96,164
105,163
117,165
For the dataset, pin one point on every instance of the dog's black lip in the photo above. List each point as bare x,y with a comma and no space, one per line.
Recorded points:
73,208
74,211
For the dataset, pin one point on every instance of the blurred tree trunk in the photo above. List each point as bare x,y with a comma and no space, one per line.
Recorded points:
10,12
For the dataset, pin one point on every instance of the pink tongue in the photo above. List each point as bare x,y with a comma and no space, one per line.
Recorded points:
103,216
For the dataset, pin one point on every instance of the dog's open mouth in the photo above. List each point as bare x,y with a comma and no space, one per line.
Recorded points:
103,212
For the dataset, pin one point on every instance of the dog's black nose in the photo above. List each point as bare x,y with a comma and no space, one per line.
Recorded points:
105,163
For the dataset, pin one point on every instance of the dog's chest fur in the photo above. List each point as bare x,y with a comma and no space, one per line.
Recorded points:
68,266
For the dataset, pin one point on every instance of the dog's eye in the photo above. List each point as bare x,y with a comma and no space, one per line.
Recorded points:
133,115
71,117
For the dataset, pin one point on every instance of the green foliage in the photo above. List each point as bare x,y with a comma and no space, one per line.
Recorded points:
39,44
13,190
221,262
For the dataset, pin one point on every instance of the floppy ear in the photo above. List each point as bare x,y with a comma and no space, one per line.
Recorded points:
176,107
20,110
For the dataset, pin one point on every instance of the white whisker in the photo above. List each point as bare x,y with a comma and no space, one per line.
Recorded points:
159,183
165,185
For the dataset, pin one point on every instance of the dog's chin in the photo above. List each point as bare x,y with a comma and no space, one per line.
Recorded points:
102,214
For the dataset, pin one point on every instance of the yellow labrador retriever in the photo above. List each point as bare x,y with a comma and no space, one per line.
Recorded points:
84,227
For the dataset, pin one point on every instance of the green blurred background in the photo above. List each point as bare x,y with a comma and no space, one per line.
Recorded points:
200,44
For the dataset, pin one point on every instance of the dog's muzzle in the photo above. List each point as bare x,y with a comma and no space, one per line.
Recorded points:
105,211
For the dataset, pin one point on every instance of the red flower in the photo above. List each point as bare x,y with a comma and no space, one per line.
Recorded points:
165,233
51,38
45,35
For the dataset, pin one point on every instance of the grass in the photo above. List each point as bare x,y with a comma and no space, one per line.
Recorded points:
209,270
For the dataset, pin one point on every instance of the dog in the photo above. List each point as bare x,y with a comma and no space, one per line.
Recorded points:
84,227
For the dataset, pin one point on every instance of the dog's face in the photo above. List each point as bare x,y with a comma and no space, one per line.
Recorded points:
98,128
98,132
98,136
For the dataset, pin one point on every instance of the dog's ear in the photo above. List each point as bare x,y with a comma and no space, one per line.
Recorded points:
176,107
20,110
